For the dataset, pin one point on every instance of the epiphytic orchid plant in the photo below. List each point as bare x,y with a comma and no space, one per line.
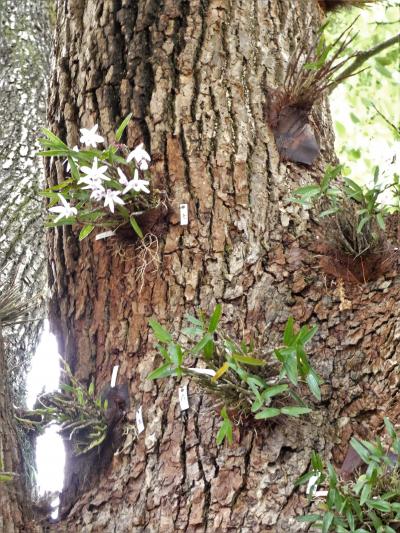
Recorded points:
104,188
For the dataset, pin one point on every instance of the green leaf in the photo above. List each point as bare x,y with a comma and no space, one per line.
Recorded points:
309,518
360,449
295,411
270,412
308,191
215,318
91,389
327,521
135,226
365,493
253,361
194,320
162,372
85,231
380,220
159,332
202,343
306,334
122,127
225,431
274,390
379,505
313,385
390,428
288,334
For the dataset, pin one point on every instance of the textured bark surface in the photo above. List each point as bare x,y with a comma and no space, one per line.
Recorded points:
24,66
25,45
14,506
194,74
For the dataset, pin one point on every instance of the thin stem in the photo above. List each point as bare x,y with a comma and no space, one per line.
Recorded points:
361,58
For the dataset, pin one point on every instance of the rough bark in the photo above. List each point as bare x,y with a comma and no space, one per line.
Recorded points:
194,74
24,64
25,44
14,498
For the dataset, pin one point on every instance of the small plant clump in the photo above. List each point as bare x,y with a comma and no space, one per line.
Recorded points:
315,69
266,391
368,503
355,215
80,415
104,189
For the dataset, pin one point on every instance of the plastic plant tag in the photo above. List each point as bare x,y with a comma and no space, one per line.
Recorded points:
105,234
114,376
139,420
184,212
183,398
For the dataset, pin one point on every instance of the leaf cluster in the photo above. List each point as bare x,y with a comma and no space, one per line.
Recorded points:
13,309
369,503
80,415
358,212
244,382
316,69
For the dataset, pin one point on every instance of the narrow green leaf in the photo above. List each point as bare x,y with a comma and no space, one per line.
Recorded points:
327,521
309,518
202,343
270,412
85,231
215,318
379,505
159,332
253,361
288,334
313,385
161,372
295,411
274,390
122,127
135,226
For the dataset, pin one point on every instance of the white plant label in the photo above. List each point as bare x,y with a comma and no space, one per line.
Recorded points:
184,211
183,398
104,235
114,376
139,420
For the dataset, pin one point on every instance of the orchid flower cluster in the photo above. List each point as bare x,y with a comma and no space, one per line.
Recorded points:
105,188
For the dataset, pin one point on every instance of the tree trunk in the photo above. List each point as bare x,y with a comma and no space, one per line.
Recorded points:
194,75
24,64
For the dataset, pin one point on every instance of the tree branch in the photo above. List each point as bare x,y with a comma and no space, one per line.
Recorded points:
362,57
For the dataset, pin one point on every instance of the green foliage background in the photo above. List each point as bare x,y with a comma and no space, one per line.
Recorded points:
363,138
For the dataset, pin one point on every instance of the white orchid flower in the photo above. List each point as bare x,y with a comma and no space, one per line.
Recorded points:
97,194
94,172
112,197
64,210
92,184
122,178
136,184
90,137
140,156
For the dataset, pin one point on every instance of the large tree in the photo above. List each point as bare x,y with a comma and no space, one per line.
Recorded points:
195,75
24,68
